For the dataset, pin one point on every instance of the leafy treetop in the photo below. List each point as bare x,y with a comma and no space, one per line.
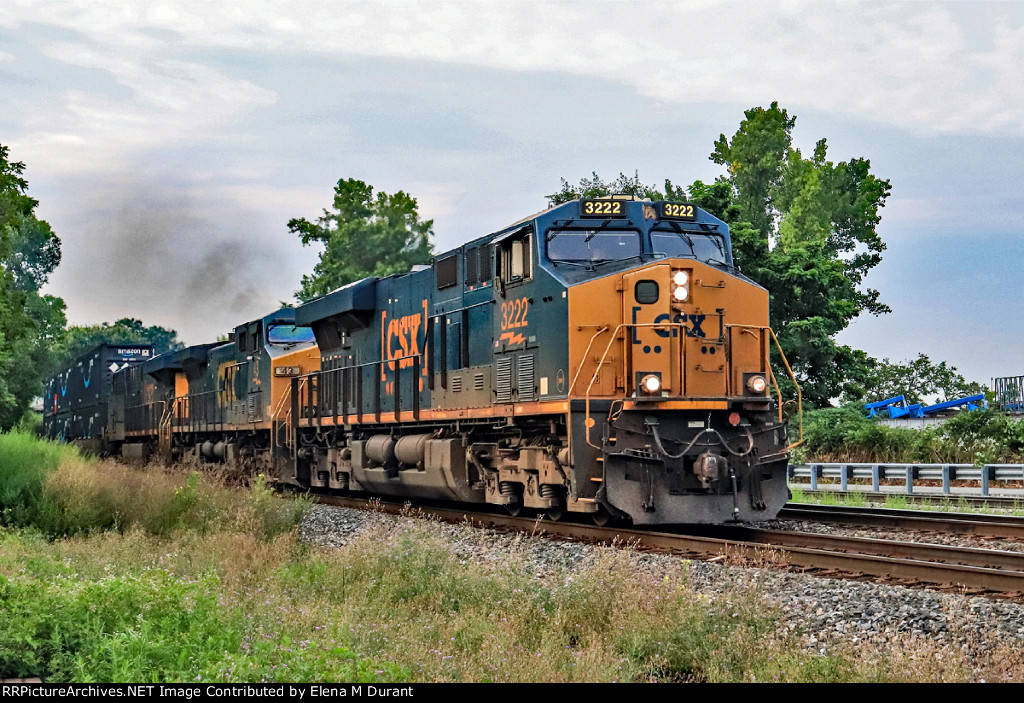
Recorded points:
363,235
918,379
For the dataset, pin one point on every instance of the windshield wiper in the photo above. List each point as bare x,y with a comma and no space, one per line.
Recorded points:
689,241
598,262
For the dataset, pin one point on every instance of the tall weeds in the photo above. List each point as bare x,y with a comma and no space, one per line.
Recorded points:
52,488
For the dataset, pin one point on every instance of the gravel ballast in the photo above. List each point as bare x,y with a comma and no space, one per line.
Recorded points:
828,612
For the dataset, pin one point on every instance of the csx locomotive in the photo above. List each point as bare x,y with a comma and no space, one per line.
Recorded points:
604,356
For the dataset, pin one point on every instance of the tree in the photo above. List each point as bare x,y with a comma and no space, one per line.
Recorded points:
30,323
811,241
363,235
917,379
596,187
80,339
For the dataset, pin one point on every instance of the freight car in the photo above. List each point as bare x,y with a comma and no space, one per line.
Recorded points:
75,400
602,357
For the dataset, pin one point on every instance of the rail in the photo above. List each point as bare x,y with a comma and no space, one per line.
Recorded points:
838,556
910,475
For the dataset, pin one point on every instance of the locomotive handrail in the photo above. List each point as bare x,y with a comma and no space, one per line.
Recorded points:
604,328
588,421
289,420
455,310
199,417
140,417
799,393
775,383
358,369
163,431
275,416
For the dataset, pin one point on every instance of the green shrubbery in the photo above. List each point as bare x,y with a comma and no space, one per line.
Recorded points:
152,627
52,488
25,464
845,434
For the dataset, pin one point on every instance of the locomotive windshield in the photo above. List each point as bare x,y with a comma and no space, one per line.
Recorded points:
703,247
289,334
592,246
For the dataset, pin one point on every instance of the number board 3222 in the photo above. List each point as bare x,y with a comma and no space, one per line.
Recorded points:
602,208
678,211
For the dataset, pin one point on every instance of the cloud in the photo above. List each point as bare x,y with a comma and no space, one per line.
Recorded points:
156,100
927,67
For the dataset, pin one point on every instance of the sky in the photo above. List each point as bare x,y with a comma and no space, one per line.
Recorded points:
169,143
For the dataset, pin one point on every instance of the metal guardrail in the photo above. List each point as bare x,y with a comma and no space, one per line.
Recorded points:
908,474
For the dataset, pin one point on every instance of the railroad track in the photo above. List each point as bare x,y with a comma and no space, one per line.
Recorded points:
906,563
984,525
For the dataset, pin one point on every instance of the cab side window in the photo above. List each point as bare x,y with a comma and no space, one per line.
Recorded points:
514,260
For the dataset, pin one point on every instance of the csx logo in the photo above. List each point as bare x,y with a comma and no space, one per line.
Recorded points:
692,330
692,325
402,340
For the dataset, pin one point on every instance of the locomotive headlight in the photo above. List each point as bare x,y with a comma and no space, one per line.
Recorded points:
650,384
756,384
680,286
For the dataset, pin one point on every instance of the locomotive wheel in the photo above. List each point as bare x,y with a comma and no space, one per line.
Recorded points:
555,514
602,517
514,509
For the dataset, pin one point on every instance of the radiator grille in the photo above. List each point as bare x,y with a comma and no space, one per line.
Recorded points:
478,382
524,375
456,384
503,370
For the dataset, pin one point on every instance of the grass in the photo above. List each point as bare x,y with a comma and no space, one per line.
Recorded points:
898,501
52,488
902,501
164,576
25,464
398,603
